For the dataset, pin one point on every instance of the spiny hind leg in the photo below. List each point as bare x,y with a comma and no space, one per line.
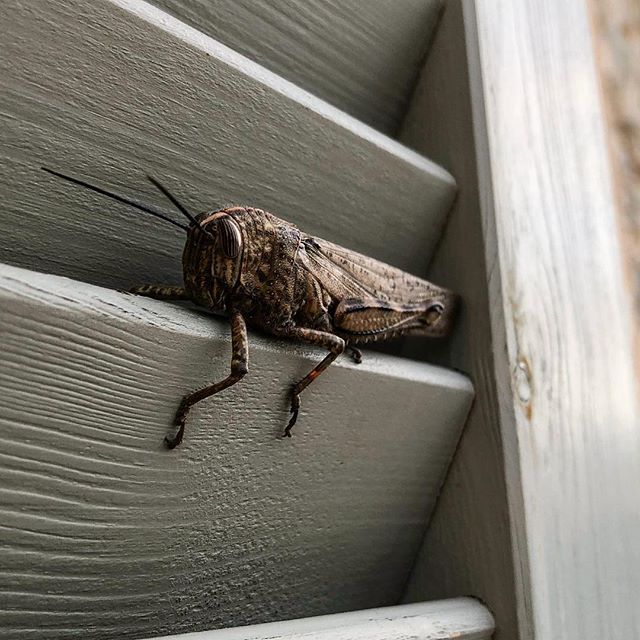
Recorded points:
356,354
160,292
336,346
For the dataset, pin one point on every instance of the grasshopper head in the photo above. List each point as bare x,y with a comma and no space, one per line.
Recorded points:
212,258
212,255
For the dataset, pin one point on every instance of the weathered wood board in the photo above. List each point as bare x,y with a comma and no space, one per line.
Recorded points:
107,534
116,89
460,618
561,354
616,39
364,58
562,321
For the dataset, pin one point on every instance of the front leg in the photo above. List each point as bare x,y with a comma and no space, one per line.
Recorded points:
239,368
330,341
160,292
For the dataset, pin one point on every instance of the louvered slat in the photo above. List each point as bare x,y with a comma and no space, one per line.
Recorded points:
108,534
114,89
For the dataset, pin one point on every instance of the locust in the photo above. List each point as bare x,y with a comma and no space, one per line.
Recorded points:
262,271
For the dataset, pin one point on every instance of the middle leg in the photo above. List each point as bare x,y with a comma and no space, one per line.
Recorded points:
330,341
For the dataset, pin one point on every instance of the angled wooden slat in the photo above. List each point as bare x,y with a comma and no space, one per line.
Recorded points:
460,618
116,89
106,534
363,58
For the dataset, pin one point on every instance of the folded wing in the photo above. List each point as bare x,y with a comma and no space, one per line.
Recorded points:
347,274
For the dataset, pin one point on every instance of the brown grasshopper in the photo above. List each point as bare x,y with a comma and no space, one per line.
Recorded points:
258,268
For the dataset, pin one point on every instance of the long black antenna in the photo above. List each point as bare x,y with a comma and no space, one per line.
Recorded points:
174,200
130,201
176,203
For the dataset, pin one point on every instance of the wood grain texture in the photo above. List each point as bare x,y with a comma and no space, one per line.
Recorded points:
561,322
107,534
362,58
460,618
467,547
616,33
117,89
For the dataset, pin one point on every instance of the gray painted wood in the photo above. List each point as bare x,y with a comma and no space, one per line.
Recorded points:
363,58
107,534
460,618
561,323
467,547
117,89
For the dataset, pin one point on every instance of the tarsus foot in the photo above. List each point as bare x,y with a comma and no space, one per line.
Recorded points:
295,408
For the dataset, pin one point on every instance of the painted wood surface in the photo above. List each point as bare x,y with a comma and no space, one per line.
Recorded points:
467,547
364,58
116,89
107,534
460,618
561,322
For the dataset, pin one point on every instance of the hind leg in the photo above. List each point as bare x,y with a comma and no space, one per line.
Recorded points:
330,341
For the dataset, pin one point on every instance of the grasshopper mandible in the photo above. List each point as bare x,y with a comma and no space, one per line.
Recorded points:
262,270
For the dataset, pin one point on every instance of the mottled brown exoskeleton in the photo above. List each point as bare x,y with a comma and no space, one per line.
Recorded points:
262,270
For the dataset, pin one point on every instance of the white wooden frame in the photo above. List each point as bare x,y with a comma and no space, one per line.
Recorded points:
558,392
570,414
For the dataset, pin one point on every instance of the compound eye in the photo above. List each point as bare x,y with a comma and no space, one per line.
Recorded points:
434,313
229,237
